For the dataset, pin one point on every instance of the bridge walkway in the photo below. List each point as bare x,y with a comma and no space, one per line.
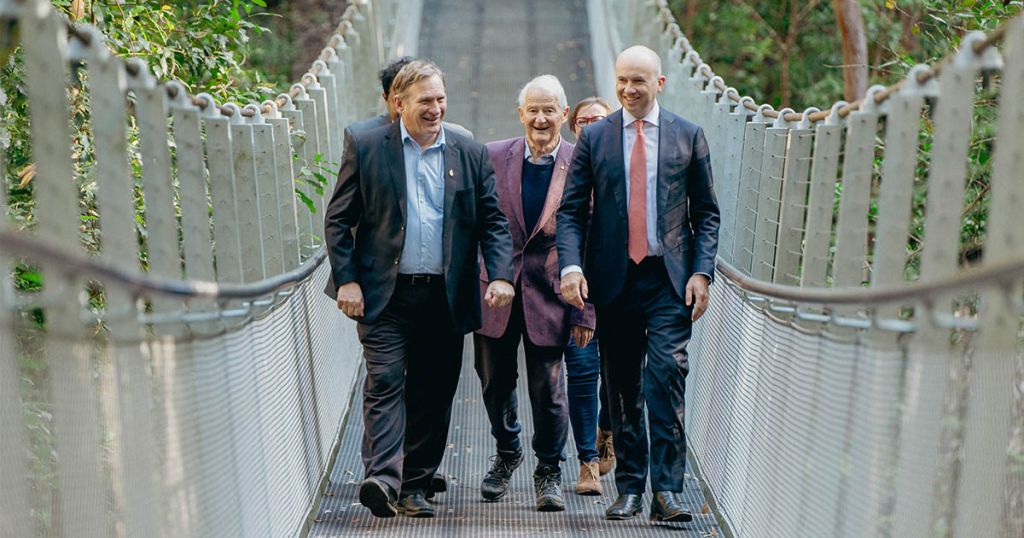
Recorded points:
487,51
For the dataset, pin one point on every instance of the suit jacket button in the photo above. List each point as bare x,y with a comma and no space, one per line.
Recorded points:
396,261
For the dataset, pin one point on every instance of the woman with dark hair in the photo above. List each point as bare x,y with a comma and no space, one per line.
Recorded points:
583,366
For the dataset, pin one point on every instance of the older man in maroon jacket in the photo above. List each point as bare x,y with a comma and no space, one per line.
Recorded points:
530,172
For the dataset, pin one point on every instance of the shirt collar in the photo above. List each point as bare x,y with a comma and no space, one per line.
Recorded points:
651,117
548,157
406,137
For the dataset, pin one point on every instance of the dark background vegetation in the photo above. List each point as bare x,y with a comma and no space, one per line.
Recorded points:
788,53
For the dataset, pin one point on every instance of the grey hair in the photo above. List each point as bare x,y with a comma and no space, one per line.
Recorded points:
549,84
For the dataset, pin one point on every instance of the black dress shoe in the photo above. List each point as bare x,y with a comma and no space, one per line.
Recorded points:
415,505
438,484
625,507
378,497
667,506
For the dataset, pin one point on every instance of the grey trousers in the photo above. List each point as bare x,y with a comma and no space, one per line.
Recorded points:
413,356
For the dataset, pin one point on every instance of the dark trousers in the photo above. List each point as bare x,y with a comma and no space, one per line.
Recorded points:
582,368
413,356
497,365
644,333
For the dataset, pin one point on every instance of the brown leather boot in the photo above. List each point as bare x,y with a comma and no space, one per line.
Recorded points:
606,451
590,481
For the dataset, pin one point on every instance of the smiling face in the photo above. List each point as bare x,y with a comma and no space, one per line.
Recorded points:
638,80
587,115
422,109
542,117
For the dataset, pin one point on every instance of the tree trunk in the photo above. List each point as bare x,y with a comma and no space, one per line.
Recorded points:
855,48
690,15
793,29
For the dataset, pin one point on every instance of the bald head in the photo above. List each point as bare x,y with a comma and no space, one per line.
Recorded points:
638,80
640,56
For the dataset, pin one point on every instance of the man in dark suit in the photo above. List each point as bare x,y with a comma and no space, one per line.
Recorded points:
424,203
530,174
387,76
648,254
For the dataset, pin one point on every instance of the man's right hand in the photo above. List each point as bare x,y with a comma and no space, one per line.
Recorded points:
574,289
350,300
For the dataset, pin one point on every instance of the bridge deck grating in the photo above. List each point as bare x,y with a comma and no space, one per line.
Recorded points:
461,512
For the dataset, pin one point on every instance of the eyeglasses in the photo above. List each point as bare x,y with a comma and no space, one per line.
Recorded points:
587,120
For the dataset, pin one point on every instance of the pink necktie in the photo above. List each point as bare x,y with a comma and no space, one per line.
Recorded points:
638,196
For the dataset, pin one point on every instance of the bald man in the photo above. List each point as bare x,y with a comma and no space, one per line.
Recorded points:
650,256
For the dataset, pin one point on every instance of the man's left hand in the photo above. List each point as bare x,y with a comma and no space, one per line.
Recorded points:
697,295
499,293
582,335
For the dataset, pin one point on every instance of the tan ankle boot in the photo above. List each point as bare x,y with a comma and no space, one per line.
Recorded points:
590,482
606,450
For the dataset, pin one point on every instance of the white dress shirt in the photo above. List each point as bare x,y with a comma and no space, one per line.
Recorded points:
628,141
546,158
651,138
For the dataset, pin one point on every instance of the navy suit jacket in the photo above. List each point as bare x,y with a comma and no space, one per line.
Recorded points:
688,217
371,196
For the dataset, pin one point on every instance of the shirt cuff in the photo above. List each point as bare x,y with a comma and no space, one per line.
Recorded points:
710,279
571,269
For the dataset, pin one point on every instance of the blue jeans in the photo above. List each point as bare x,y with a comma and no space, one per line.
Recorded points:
583,368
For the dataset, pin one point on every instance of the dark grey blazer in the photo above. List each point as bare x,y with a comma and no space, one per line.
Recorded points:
371,195
688,217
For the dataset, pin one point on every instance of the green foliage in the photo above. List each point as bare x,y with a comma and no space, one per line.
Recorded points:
746,41
205,44
313,180
752,43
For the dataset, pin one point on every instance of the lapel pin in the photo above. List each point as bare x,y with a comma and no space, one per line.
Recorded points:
451,172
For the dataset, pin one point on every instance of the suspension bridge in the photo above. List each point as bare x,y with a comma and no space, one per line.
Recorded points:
832,392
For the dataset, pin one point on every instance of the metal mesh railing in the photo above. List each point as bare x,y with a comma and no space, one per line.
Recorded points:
203,395
831,394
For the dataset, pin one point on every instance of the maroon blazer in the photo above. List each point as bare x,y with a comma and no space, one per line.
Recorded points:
534,258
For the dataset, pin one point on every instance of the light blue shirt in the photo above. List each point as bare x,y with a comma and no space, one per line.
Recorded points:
424,217
651,138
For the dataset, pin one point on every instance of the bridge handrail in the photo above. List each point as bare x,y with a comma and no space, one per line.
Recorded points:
137,283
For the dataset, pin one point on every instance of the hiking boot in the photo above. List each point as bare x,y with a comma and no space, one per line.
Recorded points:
495,483
589,482
547,483
606,451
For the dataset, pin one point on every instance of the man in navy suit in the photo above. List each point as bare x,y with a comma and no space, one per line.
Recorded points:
645,259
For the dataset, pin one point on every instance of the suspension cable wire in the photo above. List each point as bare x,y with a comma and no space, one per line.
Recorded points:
138,282
668,18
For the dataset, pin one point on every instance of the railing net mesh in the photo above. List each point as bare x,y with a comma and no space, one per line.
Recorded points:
796,427
227,435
